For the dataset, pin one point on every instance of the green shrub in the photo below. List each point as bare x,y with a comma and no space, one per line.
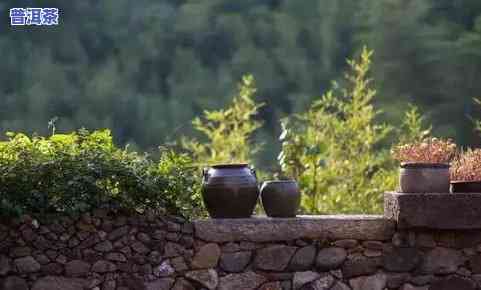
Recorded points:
228,131
336,149
76,172
182,180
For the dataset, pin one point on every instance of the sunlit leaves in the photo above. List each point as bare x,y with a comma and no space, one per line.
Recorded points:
82,170
228,131
334,149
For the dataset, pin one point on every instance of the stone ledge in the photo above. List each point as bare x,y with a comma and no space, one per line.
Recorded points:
263,229
447,211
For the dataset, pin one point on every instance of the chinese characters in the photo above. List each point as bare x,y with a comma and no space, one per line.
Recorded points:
34,16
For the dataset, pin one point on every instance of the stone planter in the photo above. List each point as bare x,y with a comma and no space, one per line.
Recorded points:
434,210
424,177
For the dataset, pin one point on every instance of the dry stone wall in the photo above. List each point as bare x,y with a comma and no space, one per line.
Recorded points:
112,251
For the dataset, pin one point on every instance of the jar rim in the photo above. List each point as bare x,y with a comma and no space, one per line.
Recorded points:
230,165
281,181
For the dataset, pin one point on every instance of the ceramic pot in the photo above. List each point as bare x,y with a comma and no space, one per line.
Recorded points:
230,190
280,198
424,177
466,186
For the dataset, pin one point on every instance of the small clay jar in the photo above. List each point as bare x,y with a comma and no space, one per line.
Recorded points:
280,198
424,178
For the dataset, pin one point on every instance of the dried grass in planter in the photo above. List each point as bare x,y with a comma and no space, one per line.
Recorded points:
429,150
466,166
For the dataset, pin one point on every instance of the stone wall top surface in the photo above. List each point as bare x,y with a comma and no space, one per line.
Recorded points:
263,229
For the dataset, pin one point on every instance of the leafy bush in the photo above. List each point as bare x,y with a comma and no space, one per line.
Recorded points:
181,187
229,130
76,172
335,149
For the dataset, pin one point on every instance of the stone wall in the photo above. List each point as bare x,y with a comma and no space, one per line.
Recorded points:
105,250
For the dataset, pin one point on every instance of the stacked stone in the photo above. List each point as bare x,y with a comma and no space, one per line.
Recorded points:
409,261
369,260
99,250
112,251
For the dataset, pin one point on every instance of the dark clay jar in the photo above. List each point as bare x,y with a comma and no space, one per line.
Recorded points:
424,178
230,191
466,186
280,198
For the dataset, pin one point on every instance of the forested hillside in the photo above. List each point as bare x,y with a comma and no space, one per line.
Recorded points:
146,68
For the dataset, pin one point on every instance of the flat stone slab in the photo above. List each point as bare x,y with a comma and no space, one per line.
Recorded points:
448,211
264,229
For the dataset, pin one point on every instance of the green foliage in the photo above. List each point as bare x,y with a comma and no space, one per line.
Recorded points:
335,149
181,189
228,131
79,171
427,53
145,69
412,128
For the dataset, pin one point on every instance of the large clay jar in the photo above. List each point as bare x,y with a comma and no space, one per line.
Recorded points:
424,178
280,198
230,191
